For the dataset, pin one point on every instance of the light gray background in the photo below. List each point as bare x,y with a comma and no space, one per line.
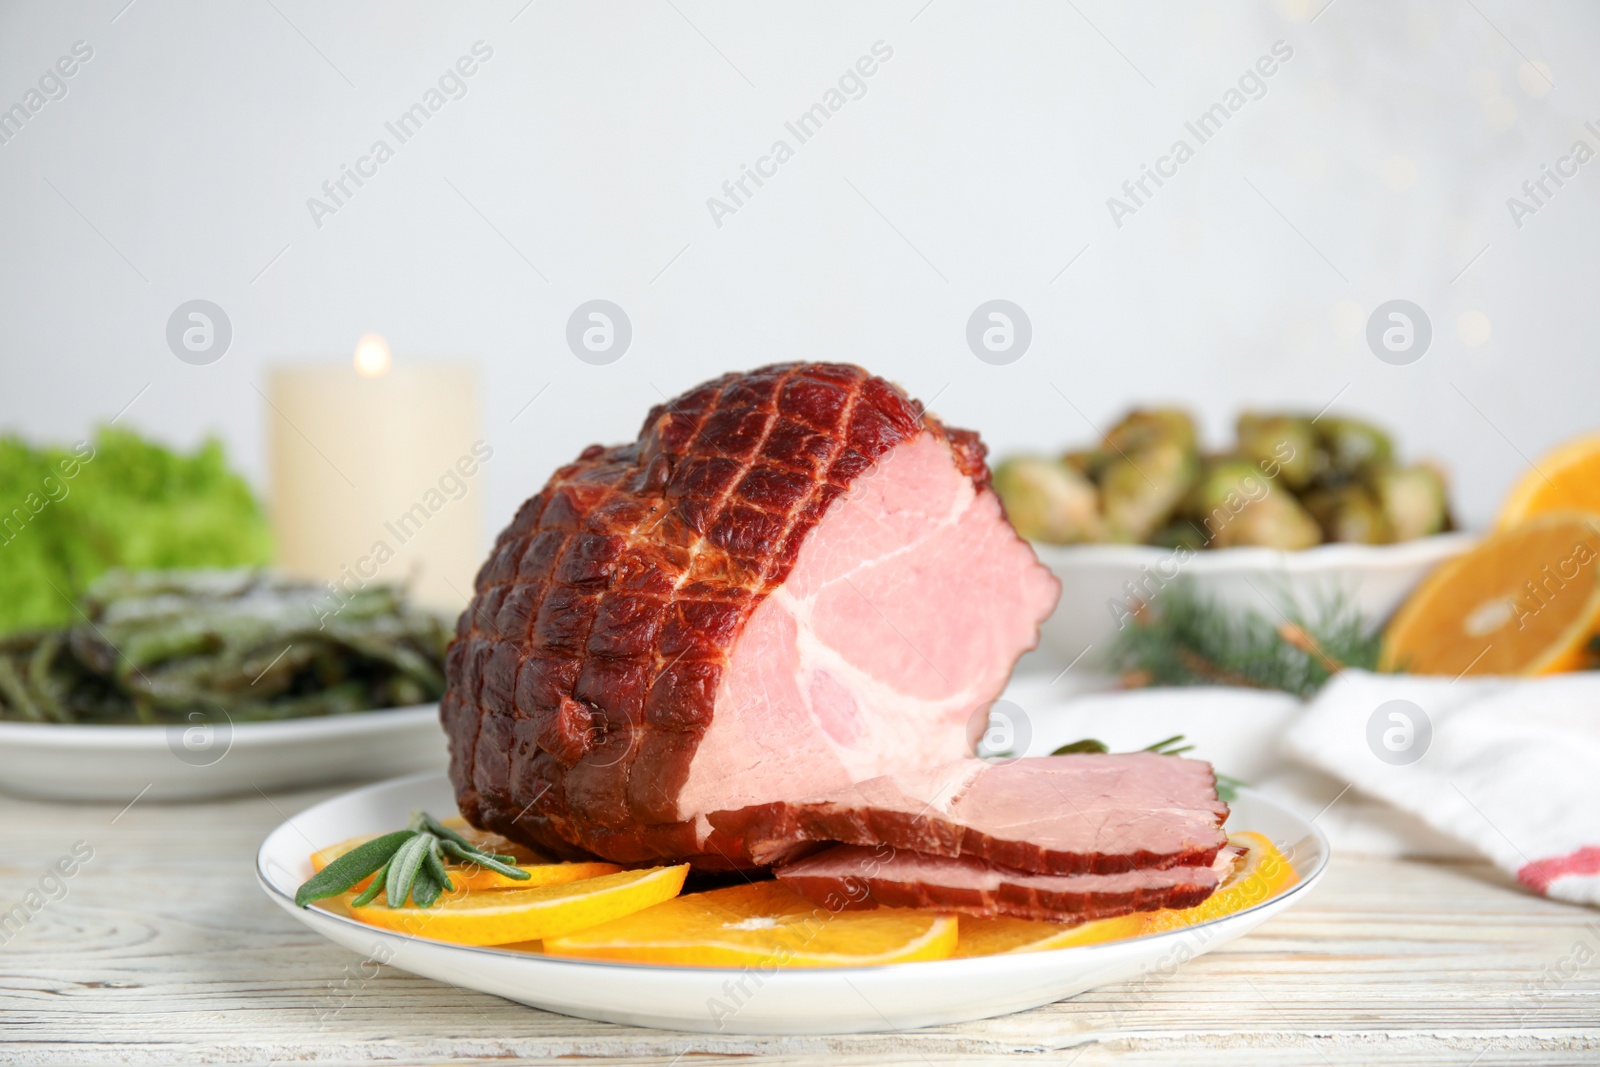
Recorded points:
977,166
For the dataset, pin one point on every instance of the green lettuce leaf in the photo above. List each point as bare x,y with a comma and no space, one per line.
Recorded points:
69,514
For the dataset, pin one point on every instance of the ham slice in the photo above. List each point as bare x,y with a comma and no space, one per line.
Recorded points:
851,877
796,579
1054,815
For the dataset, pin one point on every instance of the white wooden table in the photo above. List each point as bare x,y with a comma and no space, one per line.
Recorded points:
163,949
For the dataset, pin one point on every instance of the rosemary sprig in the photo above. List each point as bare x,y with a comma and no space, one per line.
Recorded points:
405,863
1171,746
1227,785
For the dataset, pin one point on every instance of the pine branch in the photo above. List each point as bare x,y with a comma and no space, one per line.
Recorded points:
1185,638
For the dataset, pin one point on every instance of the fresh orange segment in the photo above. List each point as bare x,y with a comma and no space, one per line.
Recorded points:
1566,479
1262,873
763,924
1524,601
539,871
505,916
990,937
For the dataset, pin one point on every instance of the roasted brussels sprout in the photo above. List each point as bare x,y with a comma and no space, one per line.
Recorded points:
1291,481
1140,491
1351,448
1350,514
1144,427
1088,462
1238,505
1283,446
1049,501
1413,501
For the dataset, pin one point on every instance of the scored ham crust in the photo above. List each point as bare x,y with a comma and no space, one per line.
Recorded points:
794,580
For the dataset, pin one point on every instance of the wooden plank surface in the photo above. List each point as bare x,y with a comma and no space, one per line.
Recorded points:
162,948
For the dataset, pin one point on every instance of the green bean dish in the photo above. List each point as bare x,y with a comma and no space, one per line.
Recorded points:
156,646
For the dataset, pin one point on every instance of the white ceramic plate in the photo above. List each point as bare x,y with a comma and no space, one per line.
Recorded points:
749,1001
1095,594
187,762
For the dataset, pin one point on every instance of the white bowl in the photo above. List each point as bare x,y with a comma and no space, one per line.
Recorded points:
186,762
754,1000
1100,582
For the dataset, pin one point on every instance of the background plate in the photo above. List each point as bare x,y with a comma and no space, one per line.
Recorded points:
72,762
750,1001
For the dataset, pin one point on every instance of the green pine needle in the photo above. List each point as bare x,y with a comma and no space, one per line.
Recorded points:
1185,638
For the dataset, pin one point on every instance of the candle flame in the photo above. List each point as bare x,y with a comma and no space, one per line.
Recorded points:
372,355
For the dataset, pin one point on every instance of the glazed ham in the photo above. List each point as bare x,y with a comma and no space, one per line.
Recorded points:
850,876
1058,838
794,581
1054,815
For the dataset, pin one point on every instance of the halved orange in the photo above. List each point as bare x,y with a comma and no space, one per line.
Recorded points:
540,870
763,924
505,916
1565,479
1526,600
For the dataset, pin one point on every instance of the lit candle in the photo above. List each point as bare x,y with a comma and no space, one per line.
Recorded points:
377,474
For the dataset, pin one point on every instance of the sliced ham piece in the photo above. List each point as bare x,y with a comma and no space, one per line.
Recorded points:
794,580
1057,815
851,877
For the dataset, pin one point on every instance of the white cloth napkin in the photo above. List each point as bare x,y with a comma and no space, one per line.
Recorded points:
1509,767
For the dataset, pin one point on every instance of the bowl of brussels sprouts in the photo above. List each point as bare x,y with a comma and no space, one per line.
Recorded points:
1302,515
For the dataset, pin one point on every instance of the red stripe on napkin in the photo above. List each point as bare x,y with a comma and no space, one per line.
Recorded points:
1540,873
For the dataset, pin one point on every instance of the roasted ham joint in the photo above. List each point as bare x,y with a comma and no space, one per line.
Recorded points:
756,638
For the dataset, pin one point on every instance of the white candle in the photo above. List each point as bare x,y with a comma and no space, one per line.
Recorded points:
377,473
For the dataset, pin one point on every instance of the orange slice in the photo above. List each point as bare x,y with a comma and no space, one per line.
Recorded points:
505,916
1566,479
1524,601
471,877
991,937
764,924
324,856
1262,873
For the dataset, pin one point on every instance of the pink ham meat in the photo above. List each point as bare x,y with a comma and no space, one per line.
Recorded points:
851,877
793,581
1056,815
